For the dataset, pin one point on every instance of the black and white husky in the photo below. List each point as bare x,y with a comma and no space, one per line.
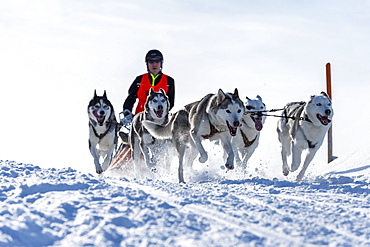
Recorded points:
303,127
247,139
215,117
102,131
141,141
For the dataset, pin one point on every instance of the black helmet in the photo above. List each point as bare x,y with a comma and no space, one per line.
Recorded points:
153,54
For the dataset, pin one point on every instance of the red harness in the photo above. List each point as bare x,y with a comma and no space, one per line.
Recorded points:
143,91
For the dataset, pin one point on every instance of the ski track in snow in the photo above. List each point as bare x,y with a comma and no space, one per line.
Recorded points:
63,207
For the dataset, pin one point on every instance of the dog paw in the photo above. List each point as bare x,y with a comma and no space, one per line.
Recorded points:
285,172
153,170
229,166
203,158
99,171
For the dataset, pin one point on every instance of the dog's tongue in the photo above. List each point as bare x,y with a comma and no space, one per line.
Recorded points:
159,113
325,120
258,124
98,117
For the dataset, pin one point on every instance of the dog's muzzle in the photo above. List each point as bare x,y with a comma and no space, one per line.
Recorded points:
100,117
233,128
324,119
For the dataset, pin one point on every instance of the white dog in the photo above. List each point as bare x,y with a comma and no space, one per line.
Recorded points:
141,141
102,131
247,139
303,126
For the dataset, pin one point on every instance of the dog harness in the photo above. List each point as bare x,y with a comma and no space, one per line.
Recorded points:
145,85
247,143
213,131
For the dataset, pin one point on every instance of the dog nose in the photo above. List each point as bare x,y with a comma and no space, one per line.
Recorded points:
327,112
160,107
236,124
102,112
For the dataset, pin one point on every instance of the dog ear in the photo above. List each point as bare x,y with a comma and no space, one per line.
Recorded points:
247,98
221,95
236,93
324,94
105,95
95,94
162,91
151,91
259,98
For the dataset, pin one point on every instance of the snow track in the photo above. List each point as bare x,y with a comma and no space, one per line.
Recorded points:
44,207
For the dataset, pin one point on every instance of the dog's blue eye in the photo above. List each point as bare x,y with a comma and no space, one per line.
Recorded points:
239,111
228,111
318,104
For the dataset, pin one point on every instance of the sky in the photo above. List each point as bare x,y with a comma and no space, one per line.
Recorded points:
54,54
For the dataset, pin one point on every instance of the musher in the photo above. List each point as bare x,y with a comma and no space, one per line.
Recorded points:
139,90
155,79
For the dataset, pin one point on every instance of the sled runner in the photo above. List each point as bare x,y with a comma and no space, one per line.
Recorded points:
122,160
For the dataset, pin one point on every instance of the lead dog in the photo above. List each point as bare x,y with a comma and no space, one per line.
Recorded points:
247,139
303,126
215,117
141,141
102,131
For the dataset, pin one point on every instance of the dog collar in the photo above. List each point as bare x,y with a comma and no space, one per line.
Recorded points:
101,136
247,143
306,118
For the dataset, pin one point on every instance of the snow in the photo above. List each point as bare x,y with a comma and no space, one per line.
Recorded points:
54,54
65,207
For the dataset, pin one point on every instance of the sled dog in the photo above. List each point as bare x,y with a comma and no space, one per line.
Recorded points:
303,126
141,141
102,131
247,139
215,117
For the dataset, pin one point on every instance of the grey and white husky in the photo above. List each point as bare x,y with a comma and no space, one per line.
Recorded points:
247,139
102,131
303,126
141,141
215,117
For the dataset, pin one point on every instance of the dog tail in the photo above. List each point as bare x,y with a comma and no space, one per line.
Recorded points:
159,131
178,125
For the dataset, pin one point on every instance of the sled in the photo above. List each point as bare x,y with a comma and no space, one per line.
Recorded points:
122,160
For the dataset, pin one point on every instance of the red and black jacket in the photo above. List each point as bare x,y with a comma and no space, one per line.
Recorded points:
139,89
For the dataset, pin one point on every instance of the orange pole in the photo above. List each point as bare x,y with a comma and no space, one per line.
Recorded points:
330,132
328,80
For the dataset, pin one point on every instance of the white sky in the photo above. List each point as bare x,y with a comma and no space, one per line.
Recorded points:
53,54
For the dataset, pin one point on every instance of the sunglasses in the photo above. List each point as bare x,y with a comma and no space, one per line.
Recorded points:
154,61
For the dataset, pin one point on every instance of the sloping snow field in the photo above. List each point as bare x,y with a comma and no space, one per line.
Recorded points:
64,207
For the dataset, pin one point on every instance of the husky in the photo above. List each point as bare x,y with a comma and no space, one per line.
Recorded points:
303,126
247,139
141,141
102,131
214,117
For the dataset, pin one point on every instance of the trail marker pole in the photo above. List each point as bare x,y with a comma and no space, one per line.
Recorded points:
330,132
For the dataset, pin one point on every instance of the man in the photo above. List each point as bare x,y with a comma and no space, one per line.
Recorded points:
139,90
155,79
